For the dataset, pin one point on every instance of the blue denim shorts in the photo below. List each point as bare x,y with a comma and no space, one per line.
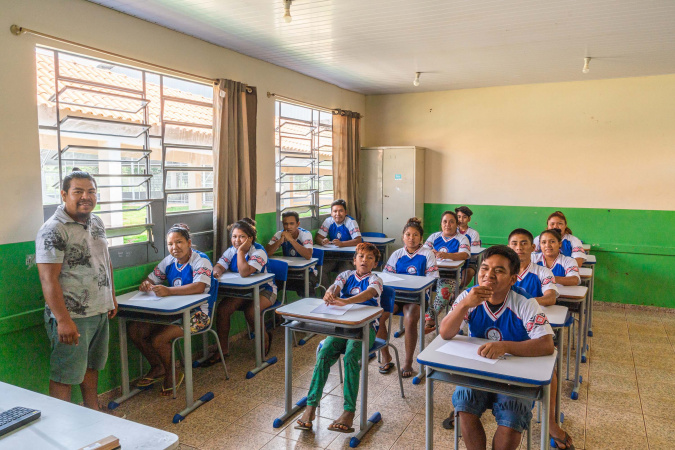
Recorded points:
511,412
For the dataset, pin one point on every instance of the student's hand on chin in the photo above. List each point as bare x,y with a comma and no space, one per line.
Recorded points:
478,295
246,246
492,350
161,291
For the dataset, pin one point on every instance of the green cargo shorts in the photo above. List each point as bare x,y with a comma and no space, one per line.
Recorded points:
68,363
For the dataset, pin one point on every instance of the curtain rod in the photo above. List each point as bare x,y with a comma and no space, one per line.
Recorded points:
301,103
18,31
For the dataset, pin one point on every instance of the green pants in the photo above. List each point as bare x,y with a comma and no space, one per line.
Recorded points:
328,355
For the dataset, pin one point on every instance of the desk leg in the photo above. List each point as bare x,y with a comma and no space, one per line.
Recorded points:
590,302
288,378
429,422
580,331
423,307
365,423
546,402
558,394
124,366
259,340
306,282
584,345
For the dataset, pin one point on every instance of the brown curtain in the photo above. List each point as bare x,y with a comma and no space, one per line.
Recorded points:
346,148
235,107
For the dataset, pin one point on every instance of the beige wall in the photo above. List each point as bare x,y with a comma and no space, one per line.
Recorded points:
90,24
611,141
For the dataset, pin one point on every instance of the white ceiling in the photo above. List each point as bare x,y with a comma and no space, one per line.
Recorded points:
376,46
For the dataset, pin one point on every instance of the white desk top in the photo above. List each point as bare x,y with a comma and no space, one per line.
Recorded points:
234,280
591,259
477,250
167,305
296,262
586,247
333,248
571,292
409,282
378,240
585,272
532,370
556,314
64,425
357,316
449,263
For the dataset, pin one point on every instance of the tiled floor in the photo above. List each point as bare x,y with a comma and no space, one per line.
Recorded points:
625,400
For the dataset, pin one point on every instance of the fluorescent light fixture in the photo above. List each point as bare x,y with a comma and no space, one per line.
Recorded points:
416,82
587,60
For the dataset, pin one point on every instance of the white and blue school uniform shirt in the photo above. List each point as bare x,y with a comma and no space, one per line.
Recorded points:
518,319
563,266
304,239
421,263
570,246
536,280
351,284
472,235
346,231
453,244
196,270
256,258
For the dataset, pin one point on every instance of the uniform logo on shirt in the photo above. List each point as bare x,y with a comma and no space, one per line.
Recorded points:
443,249
292,252
411,270
493,334
339,235
355,290
177,282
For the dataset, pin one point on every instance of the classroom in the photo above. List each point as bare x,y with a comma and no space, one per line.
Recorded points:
296,154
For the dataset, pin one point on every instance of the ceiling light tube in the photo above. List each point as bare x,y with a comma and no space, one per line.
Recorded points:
587,60
416,82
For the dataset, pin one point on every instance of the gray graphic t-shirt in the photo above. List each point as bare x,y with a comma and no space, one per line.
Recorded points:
83,251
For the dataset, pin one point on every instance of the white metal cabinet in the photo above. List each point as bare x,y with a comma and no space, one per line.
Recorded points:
391,183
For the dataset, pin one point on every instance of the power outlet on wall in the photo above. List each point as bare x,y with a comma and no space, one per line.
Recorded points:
30,260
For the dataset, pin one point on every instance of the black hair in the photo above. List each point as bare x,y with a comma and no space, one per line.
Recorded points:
560,215
80,175
367,247
290,214
415,223
508,253
522,231
464,210
554,232
247,225
339,202
180,228
452,214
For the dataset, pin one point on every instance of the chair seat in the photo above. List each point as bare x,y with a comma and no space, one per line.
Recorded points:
275,306
378,344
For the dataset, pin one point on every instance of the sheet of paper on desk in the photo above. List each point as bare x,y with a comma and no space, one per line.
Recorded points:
329,245
464,350
389,278
229,276
145,297
331,309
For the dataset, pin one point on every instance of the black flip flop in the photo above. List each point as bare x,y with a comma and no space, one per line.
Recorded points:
566,442
449,423
213,359
387,367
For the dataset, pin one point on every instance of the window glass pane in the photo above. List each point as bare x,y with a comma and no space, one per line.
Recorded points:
193,201
178,179
189,157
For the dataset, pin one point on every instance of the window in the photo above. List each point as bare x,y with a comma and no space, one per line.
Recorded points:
145,136
304,162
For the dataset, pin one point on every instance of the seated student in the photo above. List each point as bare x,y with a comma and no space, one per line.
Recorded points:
514,324
564,268
245,257
340,230
359,286
446,244
463,218
295,242
186,271
571,245
536,280
412,259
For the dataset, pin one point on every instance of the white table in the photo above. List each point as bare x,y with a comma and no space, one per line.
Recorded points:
475,251
586,247
524,377
558,316
576,295
232,283
381,243
412,289
353,324
65,425
590,260
161,311
299,265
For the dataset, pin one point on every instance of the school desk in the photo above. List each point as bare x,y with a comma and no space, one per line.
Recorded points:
381,244
65,425
164,310
587,275
353,324
558,316
231,284
523,377
577,295
300,267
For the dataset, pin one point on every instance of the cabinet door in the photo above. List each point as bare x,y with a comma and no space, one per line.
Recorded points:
370,190
398,190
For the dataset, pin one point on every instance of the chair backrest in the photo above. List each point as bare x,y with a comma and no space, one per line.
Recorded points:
318,254
373,234
278,268
387,299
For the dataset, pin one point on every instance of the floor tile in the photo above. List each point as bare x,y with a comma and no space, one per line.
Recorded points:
236,437
660,431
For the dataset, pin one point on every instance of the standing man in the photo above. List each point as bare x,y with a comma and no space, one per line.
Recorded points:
76,276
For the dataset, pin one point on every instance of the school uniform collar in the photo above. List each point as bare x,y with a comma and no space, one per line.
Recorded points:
454,236
543,259
522,274
501,309
410,255
360,278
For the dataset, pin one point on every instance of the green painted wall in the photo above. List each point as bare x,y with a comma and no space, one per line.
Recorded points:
635,252
24,348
